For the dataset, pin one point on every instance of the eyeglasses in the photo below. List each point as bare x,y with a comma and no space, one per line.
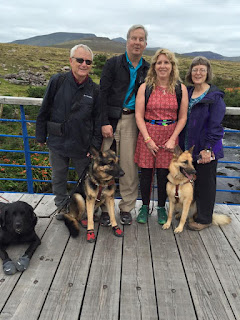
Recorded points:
199,70
81,60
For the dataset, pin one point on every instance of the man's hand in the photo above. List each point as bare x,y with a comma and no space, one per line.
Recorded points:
42,144
107,131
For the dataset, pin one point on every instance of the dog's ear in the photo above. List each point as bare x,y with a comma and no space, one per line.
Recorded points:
191,149
2,217
177,151
94,152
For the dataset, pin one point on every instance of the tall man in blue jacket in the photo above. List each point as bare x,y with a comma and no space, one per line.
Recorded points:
69,116
120,80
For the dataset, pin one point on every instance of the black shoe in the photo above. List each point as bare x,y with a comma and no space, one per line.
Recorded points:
105,219
125,217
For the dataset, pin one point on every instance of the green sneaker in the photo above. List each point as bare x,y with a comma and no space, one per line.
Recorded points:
143,214
162,215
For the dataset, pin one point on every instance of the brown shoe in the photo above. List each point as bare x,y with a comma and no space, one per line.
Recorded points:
194,226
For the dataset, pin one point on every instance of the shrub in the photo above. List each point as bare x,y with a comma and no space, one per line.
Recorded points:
36,92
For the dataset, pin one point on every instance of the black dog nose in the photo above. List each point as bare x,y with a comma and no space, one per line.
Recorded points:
18,224
121,173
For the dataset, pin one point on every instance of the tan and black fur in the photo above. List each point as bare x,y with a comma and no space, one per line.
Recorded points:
101,175
181,176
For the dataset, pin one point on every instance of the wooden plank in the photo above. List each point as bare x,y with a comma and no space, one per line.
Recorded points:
208,297
10,197
138,299
7,283
30,292
235,210
66,293
101,299
232,233
21,100
173,296
46,206
32,199
226,264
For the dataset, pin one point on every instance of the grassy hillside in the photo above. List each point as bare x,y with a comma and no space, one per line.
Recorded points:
15,57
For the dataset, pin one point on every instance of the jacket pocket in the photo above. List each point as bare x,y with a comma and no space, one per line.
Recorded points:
56,129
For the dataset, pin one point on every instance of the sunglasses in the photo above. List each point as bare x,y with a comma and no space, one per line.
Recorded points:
81,60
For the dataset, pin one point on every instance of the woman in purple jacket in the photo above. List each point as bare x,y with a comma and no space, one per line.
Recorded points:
203,130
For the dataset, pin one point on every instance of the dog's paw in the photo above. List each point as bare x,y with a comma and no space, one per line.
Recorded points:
91,236
166,226
9,268
178,229
117,231
22,263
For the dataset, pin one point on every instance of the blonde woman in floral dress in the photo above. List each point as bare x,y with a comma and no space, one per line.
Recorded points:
159,123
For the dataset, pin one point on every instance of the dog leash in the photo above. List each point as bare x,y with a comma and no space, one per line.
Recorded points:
68,199
4,199
152,184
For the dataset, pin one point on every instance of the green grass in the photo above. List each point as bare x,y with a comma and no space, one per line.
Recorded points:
15,57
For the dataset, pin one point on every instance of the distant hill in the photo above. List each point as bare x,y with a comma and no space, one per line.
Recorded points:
119,40
68,40
210,55
103,44
53,38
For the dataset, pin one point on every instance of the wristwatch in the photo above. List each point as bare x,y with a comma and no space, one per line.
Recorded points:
208,149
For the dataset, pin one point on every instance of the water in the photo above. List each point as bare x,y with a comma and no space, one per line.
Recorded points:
229,170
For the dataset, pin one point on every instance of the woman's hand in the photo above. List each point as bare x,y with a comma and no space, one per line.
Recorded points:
169,145
206,156
152,147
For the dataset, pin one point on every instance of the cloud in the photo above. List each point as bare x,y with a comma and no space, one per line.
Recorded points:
173,24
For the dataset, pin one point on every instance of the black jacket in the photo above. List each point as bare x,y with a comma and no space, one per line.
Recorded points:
83,126
114,84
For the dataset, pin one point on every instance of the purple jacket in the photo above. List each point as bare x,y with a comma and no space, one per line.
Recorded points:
204,123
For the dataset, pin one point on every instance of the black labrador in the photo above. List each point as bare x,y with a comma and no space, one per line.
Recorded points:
17,224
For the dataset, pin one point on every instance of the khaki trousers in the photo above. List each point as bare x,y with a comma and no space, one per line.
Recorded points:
126,139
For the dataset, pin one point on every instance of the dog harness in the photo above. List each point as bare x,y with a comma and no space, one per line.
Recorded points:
102,187
177,187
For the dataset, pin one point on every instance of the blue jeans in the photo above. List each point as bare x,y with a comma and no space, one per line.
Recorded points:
60,166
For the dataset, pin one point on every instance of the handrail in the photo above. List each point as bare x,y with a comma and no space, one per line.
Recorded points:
24,101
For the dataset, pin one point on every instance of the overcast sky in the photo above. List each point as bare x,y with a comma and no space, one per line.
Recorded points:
181,26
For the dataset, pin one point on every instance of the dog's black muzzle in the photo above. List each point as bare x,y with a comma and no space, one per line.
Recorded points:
188,172
117,173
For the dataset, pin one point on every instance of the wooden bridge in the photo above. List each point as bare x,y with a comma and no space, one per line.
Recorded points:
151,273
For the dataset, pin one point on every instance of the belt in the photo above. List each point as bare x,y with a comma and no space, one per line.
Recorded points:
128,111
160,122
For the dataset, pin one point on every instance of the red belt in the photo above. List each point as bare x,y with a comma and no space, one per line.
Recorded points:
128,111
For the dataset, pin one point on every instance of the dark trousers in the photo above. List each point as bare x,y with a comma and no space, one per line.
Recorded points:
205,191
146,181
60,167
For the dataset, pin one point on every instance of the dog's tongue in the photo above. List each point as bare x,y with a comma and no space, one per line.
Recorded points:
189,176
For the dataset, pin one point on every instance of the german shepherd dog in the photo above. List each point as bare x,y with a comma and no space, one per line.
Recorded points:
99,188
180,189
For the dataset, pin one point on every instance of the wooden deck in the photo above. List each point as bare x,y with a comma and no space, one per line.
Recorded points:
148,274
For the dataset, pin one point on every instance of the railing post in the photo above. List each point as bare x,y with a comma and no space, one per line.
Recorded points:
26,151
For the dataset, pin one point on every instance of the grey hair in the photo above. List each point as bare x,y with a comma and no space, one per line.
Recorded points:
83,46
137,26
200,60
